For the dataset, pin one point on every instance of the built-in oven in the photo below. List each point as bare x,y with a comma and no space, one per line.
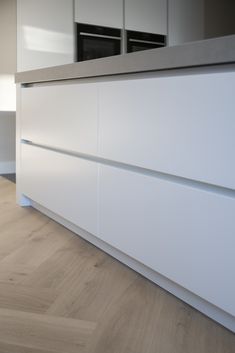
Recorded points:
95,42
137,41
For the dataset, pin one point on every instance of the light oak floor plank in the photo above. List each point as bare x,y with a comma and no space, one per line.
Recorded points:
44,332
147,319
62,264
24,298
92,289
12,348
58,293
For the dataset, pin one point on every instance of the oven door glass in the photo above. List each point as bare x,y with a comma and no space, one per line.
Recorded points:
137,46
137,41
92,47
95,42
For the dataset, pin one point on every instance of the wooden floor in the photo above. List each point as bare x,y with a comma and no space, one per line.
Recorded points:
60,294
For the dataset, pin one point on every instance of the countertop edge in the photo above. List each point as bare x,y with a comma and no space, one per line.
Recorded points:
201,53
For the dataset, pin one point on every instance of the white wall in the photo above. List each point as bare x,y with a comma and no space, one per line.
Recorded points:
185,21
7,86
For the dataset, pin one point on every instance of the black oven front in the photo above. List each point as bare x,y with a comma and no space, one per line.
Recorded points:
95,42
137,41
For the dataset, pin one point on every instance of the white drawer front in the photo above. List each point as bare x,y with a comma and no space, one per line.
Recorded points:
181,125
185,234
63,116
65,185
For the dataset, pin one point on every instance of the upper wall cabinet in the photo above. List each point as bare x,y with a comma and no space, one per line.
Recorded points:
45,33
146,16
100,12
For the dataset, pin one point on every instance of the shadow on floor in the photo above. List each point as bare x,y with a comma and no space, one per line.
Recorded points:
11,177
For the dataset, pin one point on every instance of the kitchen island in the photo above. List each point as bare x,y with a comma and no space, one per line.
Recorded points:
135,153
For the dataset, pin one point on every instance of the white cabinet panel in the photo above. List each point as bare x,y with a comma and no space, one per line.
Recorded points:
185,234
181,125
45,33
65,185
100,12
146,16
63,116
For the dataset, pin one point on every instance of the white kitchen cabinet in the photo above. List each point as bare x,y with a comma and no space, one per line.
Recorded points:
45,33
61,116
63,184
100,12
146,16
184,233
180,125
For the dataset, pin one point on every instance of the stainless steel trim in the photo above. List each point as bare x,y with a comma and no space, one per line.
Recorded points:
99,35
145,41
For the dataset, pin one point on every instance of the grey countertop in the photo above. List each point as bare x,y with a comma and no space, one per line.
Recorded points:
202,53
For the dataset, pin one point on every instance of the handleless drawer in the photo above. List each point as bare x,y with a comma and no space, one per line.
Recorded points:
184,233
182,125
62,116
63,184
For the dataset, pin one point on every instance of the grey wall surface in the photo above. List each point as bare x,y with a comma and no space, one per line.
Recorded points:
219,18
185,21
7,137
191,20
8,36
7,88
